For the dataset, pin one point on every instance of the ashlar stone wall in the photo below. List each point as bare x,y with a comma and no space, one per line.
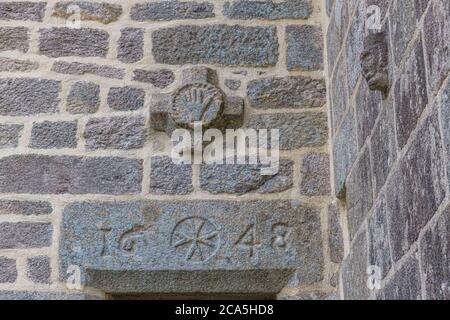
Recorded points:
390,153
86,178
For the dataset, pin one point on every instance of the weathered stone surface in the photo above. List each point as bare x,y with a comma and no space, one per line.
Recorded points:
354,270
8,270
126,98
359,193
268,10
297,130
22,10
243,178
39,269
167,177
14,38
159,78
19,235
336,32
315,175
9,135
410,94
154,247
131,45
435,259
84,97
171,10
12,65
354,46
335,238
304,296
219,44
42,295
437,28
368,105
115,133
89,11
383,146
403,22
64,42
78,68
233,84
344,153
26,208
416,189
47,135
27,96
443,103
379,251
339,95
289,92
43,174
405,284
305,48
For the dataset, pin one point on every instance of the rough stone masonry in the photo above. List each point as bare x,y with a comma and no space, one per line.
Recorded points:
92,205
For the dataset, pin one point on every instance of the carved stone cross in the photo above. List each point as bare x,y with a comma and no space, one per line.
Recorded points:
198,99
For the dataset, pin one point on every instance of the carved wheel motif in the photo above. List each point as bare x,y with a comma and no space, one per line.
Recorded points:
196,102
195,239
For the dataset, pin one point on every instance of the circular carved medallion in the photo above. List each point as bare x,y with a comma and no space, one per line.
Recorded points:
196,102
195,239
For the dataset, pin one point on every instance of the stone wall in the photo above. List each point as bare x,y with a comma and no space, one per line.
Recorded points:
85,174
390,153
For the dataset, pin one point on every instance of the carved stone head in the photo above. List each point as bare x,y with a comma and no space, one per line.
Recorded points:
374,62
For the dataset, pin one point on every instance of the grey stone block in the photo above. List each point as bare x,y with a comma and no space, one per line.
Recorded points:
435,259
115,133
339,95
84,97
270,10
410,94
47,135
297,130
244,178
436,28
126,98
191,246
354,46
315,175
167,177
22,10
228,45
403,22
417,188
78,68
289,92
39,269
379,251
159,78
383,146
305,48
9,135
335,236
131,45
8,270
359,193
353,270
344,153
45,295
27,96
65,42
89,11
43,174
12,65
336,32
233,84
368,105
21,235
172,10
14,38
26,208
443,103
405,284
